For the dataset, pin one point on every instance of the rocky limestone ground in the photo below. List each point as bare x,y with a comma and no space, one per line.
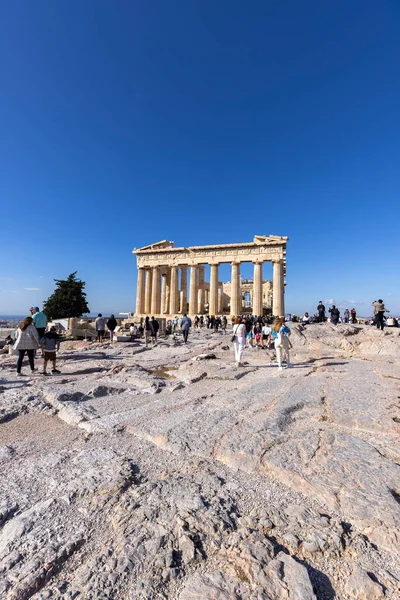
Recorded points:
169,473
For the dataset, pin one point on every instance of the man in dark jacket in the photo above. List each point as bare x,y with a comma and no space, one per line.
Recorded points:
321,312
335,314
154,326
186,324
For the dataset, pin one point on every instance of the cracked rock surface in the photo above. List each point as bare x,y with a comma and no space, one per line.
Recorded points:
169,473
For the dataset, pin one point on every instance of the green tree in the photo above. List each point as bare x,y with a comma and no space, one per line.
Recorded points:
67,300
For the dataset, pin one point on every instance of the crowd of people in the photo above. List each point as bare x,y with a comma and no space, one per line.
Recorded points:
248,331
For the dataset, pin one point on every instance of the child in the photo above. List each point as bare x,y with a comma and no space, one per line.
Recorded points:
50,342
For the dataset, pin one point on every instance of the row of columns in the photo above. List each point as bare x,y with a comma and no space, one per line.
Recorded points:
158,290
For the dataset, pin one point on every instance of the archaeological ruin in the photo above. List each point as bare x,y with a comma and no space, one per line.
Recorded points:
164,271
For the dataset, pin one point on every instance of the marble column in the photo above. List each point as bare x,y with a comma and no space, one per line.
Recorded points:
278,307
236,297
257,306
155,292
201,293
140,291
174,293
148,285
220,299
163,292
168,290
193,298
213,304
183,293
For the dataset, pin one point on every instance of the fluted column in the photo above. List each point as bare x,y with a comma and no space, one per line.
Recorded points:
174,292
163,292
201,294
148,285
213,304
168,290
183,293
140,291
220,299
193,290
155,292
257,289
236,298
278,306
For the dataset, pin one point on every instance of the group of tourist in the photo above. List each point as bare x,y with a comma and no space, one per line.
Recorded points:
32,335
244,332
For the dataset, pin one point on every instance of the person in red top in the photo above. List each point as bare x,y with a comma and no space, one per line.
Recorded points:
353,315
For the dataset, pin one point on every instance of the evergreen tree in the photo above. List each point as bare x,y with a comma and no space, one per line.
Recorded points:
68,299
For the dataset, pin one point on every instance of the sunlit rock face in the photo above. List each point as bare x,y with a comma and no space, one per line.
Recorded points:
171,473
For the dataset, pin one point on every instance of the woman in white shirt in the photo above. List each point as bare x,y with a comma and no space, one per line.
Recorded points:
239,331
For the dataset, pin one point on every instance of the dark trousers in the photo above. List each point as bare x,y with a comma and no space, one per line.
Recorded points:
321,317
41,331
185,333
21,354
379,320
335,319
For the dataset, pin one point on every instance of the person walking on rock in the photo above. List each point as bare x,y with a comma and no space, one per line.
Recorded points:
379,312
186,324
111,325
280,333
353,316
346,315
321,312
239,339
27,341
100,325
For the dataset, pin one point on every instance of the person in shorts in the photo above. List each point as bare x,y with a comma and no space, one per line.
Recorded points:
50,343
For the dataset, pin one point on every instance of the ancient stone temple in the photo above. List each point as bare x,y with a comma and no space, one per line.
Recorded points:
162,283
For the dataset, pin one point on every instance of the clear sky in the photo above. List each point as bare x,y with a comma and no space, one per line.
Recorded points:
123,123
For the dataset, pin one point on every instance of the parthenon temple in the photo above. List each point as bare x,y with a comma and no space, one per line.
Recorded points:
162,282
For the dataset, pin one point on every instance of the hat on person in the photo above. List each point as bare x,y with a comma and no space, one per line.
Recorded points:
37,308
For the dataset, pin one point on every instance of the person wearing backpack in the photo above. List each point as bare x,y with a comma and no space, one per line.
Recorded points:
280,334
335,314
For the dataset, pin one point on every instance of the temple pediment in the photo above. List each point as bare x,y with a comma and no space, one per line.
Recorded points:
156,246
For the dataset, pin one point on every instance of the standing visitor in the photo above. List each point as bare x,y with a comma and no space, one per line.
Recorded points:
50,343
111,325
249,333
186,324
27,341
39,321
346,316
239,340
379,312
224,323
321,312
154,326
280,333
147,331
353,315
100,325
266,335
335,314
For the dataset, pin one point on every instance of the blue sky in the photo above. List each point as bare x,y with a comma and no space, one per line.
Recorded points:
123,123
